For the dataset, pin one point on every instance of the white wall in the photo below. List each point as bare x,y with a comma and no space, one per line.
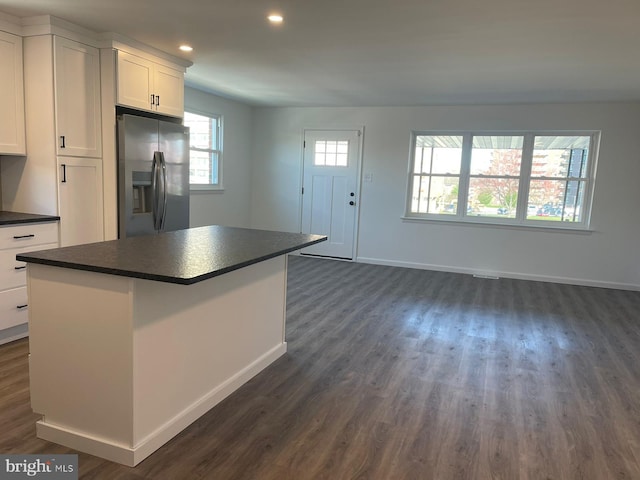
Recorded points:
231,206
607,257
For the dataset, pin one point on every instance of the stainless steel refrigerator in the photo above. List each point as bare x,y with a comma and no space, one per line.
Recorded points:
153,176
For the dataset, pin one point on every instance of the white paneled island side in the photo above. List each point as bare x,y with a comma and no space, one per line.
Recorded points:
132,340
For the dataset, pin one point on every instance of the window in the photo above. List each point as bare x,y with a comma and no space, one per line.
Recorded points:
559,177
205,151
436,174
331,153
511,178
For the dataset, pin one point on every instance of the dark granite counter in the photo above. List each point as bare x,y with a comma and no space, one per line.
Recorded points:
183,257
16,218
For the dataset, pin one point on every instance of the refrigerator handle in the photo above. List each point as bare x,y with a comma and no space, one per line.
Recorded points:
155,190
164,190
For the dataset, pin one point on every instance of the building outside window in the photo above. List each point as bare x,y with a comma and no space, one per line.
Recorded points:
205,151
508,178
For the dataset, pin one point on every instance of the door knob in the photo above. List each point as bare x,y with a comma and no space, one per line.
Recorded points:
352,202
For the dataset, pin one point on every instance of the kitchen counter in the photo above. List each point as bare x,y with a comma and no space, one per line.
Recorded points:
133,340
184,256
16,218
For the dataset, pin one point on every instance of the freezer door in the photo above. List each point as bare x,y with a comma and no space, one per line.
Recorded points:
137,175
174,144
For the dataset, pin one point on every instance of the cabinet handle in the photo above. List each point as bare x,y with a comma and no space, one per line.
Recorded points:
17,237
64,173
62,144
20,307
157,100
153,99
20,268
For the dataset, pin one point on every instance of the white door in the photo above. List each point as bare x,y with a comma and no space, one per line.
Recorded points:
12,136
135,81
329,190
77,87
169,90
80,197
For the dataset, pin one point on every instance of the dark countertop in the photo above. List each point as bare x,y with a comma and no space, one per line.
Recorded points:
183,257
16,218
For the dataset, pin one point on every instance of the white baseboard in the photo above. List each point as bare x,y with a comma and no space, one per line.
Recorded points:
126,455
515,275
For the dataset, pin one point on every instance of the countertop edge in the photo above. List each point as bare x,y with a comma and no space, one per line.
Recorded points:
20,218
163,278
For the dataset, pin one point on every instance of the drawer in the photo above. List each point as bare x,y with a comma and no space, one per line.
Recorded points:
12,272
27,235
13,307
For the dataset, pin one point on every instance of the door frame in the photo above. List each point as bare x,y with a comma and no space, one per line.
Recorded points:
359,158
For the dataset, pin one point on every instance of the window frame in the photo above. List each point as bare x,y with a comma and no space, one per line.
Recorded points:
520,220
204,187
431,175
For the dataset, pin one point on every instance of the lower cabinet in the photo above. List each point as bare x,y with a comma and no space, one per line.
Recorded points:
13,308
80,200
15,239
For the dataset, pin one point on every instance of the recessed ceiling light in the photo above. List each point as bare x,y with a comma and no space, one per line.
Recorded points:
275,18
186,48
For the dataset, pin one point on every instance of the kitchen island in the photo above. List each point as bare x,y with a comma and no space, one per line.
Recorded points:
132,340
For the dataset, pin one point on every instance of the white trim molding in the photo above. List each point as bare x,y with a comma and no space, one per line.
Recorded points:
492,274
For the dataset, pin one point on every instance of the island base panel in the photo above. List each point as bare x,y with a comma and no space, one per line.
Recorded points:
119,366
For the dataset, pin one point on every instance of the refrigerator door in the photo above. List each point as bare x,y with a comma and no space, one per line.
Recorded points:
174,145
137,175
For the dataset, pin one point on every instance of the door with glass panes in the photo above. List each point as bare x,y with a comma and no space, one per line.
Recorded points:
329,193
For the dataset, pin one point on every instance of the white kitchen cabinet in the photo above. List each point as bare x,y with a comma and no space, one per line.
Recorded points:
80,200
169,91
33,183
135,81
15,239
150,86
12,129
77,99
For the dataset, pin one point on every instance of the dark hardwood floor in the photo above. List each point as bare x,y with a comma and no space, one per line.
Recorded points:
406,374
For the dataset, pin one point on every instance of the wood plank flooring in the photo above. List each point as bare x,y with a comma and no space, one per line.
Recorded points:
396,373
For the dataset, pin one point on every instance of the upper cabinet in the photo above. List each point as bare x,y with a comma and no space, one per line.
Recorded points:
169,90
77,99
12,129
150,86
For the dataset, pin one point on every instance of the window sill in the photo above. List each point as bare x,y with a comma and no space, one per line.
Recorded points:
197,189
546,227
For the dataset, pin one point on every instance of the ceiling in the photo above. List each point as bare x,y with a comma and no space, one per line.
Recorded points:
383,52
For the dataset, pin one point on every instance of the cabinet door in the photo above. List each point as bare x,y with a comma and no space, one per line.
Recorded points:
135,78
12,137
169,90
13,308
77,99
80,200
